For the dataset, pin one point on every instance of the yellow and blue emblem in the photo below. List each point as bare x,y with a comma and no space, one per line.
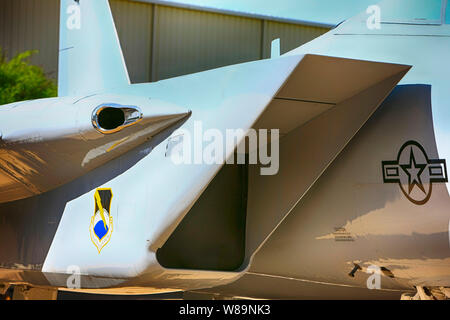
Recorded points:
101,226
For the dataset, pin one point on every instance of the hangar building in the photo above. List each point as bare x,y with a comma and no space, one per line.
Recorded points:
160,39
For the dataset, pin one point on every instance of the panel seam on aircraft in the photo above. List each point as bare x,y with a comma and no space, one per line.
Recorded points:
313,281
302,100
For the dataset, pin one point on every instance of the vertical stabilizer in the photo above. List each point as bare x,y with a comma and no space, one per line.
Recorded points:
90,57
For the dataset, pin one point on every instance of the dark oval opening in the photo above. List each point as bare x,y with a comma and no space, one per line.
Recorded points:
111,118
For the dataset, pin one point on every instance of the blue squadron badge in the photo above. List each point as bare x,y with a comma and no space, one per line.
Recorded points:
101,226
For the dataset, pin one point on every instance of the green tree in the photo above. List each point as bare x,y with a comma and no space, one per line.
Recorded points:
19,80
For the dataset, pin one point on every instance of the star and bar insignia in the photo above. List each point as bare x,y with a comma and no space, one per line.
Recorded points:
415,172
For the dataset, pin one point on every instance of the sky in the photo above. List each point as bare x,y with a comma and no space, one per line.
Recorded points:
322,11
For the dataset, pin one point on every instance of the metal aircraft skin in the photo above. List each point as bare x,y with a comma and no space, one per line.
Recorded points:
88,187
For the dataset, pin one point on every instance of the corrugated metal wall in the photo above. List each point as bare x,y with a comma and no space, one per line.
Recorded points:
159,42
134,23
31,25
190,41
291,35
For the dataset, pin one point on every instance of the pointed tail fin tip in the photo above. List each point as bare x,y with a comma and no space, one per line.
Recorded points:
90,56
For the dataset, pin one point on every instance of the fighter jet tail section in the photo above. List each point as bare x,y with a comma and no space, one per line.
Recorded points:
90,57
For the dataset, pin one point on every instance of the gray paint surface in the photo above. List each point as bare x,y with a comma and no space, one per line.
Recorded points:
387,229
